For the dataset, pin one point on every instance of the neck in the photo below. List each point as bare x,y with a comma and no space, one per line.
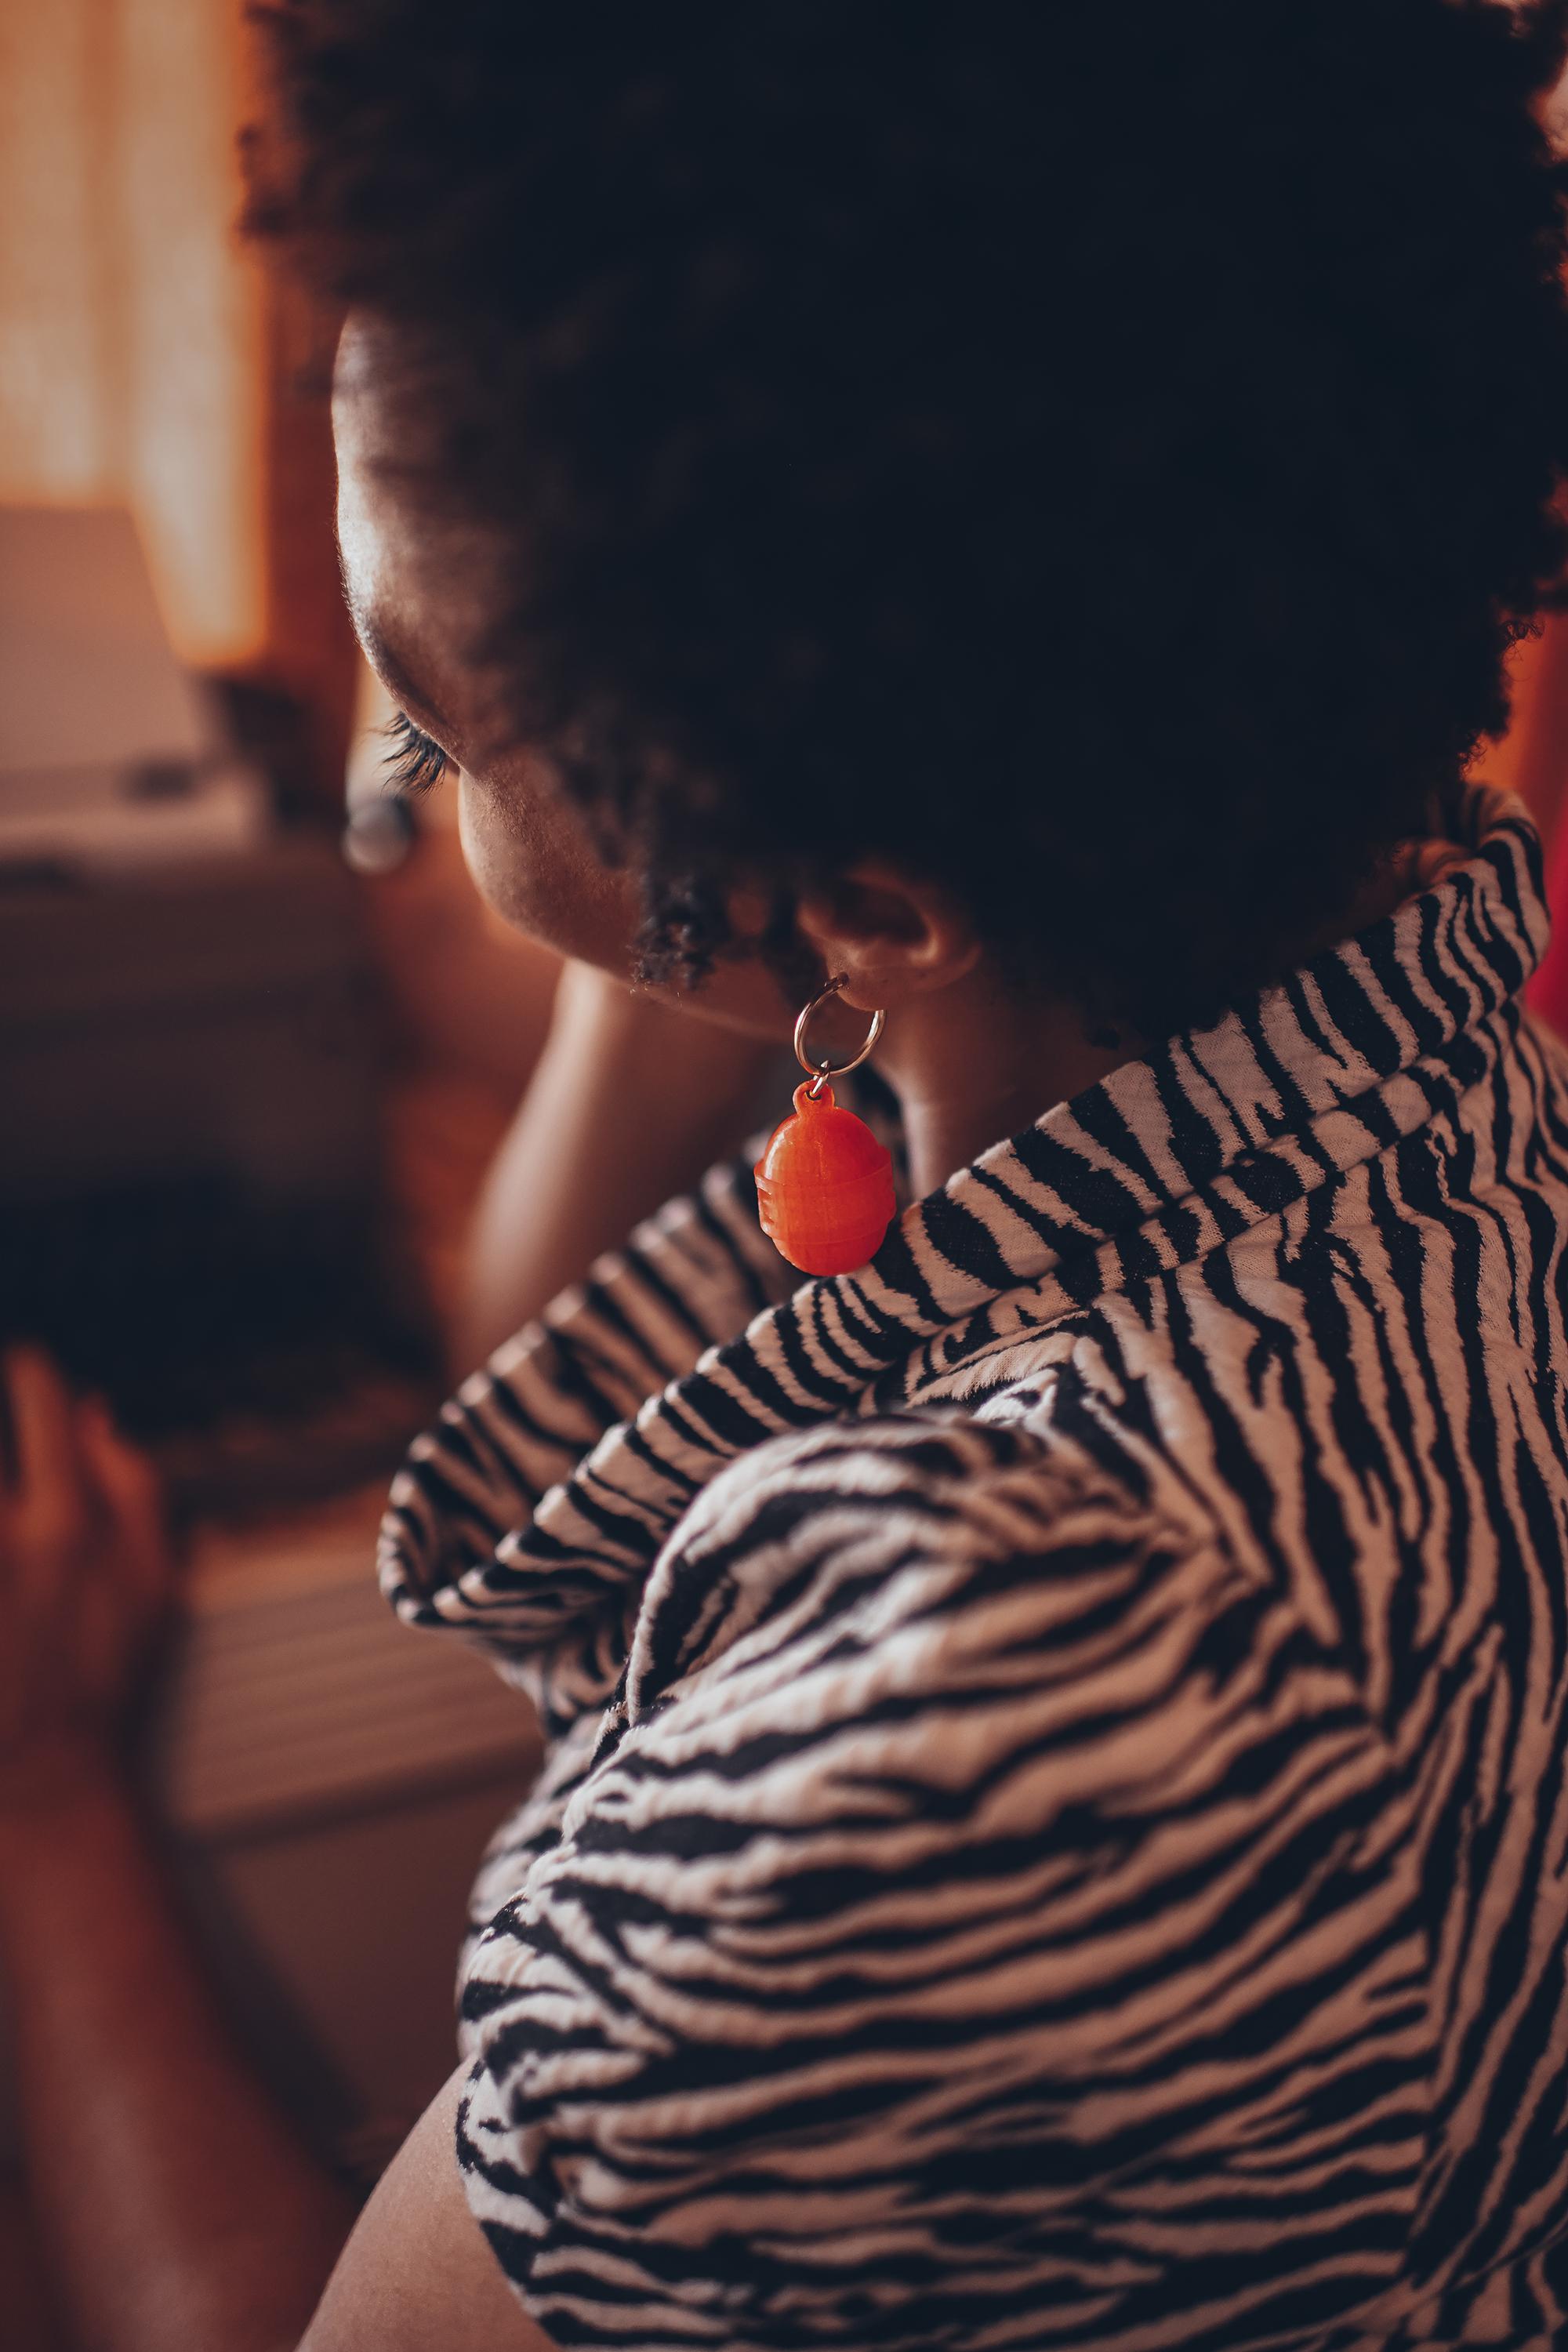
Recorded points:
972,1064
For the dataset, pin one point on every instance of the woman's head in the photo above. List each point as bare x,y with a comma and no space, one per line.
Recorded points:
1087,462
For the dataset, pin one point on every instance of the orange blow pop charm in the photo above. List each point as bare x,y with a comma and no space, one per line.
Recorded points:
825,1184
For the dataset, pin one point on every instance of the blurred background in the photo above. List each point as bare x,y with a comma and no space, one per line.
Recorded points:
250,1087
259,1043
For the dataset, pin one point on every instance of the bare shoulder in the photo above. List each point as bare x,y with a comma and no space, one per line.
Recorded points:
416,2274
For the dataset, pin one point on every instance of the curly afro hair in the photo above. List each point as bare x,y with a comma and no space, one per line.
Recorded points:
1097,454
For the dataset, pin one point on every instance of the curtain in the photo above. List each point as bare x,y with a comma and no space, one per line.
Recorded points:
133,329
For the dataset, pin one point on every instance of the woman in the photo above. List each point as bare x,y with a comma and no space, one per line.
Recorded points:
1053,1825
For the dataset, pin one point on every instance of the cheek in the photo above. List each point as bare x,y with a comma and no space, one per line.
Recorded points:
533,866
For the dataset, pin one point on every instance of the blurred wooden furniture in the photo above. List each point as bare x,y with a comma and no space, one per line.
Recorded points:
327,1778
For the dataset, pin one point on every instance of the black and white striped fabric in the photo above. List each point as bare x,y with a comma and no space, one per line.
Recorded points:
1056,1824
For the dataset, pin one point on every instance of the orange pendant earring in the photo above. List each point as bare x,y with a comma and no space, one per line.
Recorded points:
825,1185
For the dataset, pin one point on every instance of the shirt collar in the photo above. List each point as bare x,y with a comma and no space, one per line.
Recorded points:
1334,1033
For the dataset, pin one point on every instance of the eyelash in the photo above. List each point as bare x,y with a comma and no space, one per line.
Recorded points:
413,762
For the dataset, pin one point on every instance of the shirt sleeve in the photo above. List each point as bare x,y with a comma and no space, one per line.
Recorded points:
987,1901
691,1277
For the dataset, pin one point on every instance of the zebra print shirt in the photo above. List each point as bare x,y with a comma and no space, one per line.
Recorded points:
1053,1829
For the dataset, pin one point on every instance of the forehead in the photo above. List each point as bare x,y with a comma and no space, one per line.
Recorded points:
413,577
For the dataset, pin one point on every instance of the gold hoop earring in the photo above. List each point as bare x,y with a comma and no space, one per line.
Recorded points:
820,1072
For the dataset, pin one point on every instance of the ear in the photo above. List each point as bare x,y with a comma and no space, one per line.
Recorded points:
894,936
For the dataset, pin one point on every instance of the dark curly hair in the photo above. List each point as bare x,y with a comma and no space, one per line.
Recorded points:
1096,454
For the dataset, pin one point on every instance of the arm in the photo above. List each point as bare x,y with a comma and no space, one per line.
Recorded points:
629,1104
417,2275
177,2207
